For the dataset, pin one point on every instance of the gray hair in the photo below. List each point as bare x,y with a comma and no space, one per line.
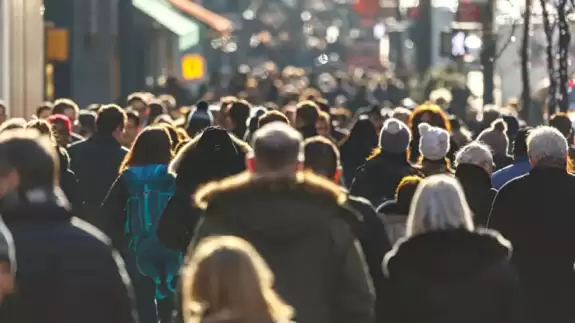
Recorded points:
547,144
475,153
276,146
438,204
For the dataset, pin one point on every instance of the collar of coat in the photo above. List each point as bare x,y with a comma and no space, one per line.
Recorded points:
300,181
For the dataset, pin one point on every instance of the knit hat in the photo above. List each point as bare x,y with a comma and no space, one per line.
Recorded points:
434,142
394,136
199,119
7,247
496,137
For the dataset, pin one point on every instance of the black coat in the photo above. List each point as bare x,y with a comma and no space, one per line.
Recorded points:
96,163
478,190
69,182
453,276
378,179
299,227
67,270
535,212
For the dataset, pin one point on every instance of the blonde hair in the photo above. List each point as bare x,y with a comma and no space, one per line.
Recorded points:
439,204
226,274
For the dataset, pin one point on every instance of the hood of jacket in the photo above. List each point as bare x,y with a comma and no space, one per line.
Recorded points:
448,255
200,161
275,208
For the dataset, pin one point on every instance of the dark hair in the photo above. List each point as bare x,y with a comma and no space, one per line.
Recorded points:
87,120
32,156
405,192
272,116
45,106
307,111
520,142
110,117
173,132
61,105
239,112
152,146
322,104
155,109
561,122
321,156
133,115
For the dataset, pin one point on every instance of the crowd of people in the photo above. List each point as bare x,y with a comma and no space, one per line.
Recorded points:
224,212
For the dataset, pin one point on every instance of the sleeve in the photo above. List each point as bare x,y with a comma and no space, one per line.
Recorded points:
354,297
124,304
178,222
113,212
360,185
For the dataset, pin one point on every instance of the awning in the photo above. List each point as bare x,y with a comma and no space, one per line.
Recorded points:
213,20
180,24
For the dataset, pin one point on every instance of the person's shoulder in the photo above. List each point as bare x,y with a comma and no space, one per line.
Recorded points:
90,233
77,146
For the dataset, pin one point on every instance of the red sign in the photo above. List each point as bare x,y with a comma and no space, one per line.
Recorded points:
367,8
468,12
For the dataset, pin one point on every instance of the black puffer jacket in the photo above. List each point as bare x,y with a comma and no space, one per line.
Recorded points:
478,190
298,225
378,179
453,276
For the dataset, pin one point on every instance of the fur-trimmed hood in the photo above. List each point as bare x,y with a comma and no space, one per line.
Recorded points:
447,255
274,207
203,159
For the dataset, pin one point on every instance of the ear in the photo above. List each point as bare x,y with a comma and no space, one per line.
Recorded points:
251,164
337,175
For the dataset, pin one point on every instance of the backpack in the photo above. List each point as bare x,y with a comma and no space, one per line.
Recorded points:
150,187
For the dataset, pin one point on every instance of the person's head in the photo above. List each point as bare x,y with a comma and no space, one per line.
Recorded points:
238,114
323,124
223,117
43,127
475,153
62,127
155,108
434,142
402,114
496,137
169,102
376,117
13,124
199,119
520,143
307,114
394,137
439,204
44,110
431,114
547,147
322,157
405,191
3,112
87,121
111,121
561,122
153,146
277,149
174,135
28,161
272,116
226,273
66,107
138,101
132,127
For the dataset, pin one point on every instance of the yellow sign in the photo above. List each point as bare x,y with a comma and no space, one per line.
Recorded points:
193,67
57,42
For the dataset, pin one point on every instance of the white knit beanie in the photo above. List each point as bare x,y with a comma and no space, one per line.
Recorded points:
434,142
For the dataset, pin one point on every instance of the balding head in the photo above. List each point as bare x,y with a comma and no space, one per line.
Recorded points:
278,148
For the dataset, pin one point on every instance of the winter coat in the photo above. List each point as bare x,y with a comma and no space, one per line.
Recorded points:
96,162
69,182
194,166
519,167
478,190
378,179
372,235
535,212
452,276
502,161
395,217
67,269
298,225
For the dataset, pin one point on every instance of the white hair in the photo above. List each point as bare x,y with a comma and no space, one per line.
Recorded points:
475,153
546,143
438,204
